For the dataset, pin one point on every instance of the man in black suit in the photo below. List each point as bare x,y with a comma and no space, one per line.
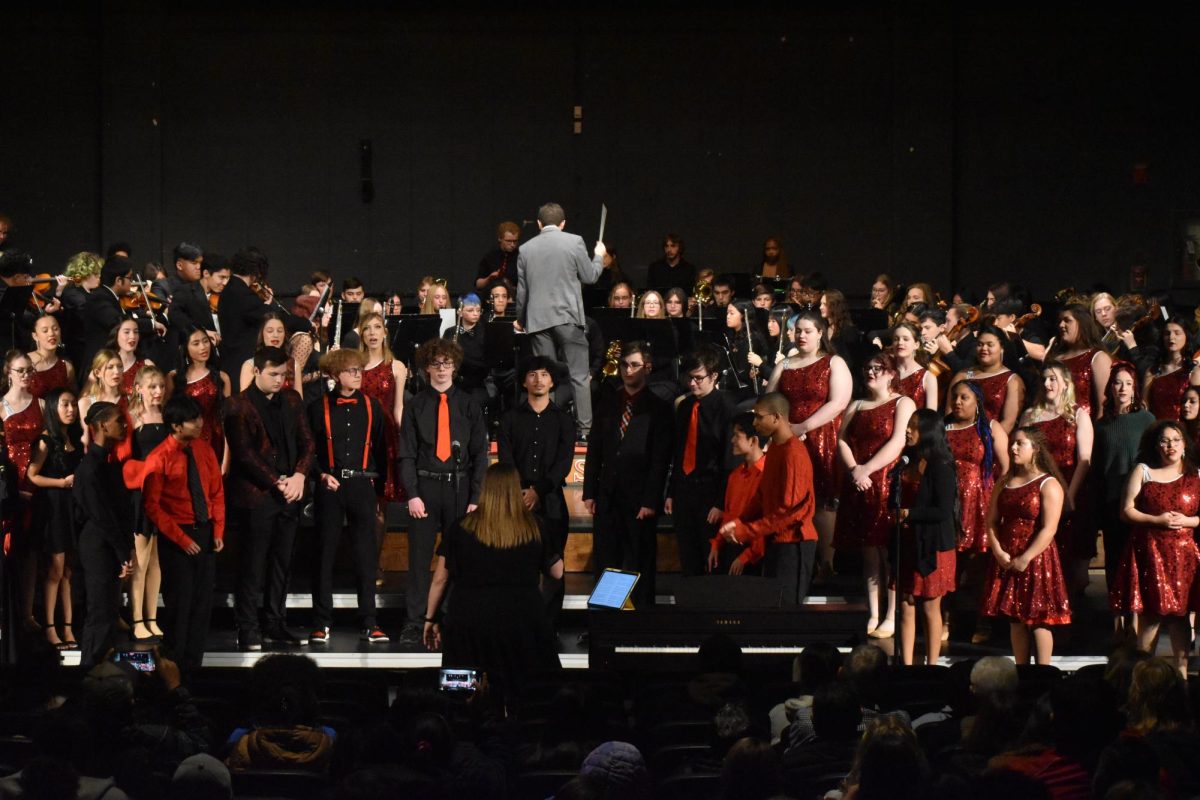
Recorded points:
103,311
625,473
189,261
242,311
191,309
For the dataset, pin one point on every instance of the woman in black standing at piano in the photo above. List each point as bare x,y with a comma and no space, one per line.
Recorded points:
495,620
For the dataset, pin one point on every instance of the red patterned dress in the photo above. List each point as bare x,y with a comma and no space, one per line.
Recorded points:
864,519
995,391
941,580
1159,564
973,491
207,392
42,382
1076,532
21,431
1037,596
130,375
914,386
1165,394
1081,377
380,382
807,389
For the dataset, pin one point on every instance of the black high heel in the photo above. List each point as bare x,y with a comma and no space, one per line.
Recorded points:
137,638
69,643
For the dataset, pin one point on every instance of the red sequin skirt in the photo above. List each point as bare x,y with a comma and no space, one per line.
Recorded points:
1156,573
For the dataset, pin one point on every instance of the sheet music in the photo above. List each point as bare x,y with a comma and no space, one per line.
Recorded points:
603,221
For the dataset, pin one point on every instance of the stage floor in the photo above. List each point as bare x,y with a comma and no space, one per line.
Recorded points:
1086,642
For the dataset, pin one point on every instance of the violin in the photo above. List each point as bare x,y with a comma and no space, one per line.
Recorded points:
43,291
1035,311
938,365
141,301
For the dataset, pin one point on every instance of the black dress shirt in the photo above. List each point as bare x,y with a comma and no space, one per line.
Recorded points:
272,410
541,446
714,454
101,500
497,259
418,439
661,275
347,433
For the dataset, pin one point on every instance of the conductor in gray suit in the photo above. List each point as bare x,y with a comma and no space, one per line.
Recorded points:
550,269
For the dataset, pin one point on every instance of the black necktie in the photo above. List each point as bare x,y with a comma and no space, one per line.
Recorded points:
196,489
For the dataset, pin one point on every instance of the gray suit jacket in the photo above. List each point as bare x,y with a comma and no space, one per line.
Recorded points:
550,269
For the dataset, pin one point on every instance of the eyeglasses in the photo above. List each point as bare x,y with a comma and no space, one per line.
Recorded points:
632,367
874,369
353,370
1166,442
23,370
442,365
699,378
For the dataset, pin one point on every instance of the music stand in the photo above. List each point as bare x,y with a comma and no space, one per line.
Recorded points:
412,331
12,306
594,296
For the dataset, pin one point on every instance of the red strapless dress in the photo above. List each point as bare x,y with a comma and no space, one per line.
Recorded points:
1166,393
1076,531
1037,596
995,391
207,392
379,382
129,375
973,493
42,382
807,389
941,580
914,386
1158,566
1081,377
864,520
21,432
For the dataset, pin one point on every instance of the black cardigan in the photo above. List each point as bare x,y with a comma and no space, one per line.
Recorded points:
933,514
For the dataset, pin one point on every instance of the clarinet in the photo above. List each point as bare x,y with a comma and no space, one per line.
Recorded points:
752,370
337,329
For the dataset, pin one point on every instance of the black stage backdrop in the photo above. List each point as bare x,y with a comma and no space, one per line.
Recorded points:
922,139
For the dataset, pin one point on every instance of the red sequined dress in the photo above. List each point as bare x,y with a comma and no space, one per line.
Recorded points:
1165,394
1037,596
42,382
380,382
807,389
1081,377
914,386
941,580
1159,564
130,375
973,497
864,519
21,432
207,392
1076,531
995,391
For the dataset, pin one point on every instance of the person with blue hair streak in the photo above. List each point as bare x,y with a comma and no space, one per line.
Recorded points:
469,333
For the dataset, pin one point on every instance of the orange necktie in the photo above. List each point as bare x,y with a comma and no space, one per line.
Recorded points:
689,451
443,435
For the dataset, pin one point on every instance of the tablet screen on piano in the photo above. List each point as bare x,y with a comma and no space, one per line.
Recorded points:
613,589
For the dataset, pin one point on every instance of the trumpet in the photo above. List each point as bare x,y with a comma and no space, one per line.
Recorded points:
612,359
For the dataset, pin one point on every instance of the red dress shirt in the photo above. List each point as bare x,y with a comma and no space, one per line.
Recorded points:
740,489
783,506
165,490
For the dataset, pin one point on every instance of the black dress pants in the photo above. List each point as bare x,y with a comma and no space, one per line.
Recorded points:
622,541
445,503
792,563
557,525
693,499
101,566
188,584
268,533
354,501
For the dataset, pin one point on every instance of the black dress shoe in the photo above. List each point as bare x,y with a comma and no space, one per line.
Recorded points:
410,635
285,637
249,642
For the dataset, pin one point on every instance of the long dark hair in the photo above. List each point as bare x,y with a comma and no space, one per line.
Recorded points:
983,427
55,430
1110,389
1148,449
931,442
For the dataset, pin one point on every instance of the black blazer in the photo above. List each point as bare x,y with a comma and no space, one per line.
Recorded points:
632,469
934,514
101,313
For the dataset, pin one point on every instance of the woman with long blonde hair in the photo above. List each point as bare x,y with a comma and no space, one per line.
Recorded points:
149,431
494,556
103,384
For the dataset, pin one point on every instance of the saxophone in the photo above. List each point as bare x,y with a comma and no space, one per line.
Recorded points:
612,359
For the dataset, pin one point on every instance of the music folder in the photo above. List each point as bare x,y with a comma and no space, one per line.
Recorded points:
613,590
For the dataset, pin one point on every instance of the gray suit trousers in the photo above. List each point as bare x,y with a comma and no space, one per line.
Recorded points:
569,344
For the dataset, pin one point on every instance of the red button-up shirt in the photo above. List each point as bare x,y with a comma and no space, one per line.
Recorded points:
165,489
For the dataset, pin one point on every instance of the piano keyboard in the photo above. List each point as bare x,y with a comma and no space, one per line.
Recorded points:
750,650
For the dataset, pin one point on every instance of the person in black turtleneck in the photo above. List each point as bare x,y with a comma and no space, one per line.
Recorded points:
106,537
348,427
443,456
702,458
271,452
500,264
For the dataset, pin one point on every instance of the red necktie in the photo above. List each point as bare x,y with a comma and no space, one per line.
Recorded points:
626,414
689,450
443,434
347,401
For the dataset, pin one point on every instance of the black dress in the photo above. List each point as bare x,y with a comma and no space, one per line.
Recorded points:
145,439
495,619
52,510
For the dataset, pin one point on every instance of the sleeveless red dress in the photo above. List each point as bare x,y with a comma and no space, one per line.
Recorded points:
129,375
379,382
1158,566
807,389
995,391
864,520
21,432
42,382
973,492
941,580
914,386
1081,377
1037,596
207,392
1076,531
1165,394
